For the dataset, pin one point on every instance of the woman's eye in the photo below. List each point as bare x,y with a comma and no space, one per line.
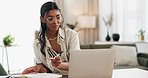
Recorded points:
58,17
50,19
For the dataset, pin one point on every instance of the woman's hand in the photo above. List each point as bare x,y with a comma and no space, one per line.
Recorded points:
56,61
35,69
63,66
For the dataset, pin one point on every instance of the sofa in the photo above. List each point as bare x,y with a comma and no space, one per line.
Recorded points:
126,55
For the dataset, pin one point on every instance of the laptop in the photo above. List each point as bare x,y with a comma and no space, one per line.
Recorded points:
2,71
91,63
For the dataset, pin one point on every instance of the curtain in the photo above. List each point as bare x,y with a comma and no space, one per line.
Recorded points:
129,16
71,9
92,34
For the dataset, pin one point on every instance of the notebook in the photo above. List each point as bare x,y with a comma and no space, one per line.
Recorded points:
91,63
2,71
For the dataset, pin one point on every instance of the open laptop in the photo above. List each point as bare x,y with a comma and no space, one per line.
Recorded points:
91,63
2,71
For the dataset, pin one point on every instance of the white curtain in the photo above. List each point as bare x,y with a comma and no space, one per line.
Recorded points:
129,16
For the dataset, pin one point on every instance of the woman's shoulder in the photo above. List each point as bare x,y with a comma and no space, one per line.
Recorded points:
70,31
36,41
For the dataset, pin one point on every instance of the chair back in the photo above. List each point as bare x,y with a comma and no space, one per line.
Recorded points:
2,71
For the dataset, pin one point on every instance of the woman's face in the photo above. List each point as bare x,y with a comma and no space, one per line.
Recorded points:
52,19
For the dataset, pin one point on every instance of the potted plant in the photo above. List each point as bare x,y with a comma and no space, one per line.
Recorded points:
141,31
74,26
8,40
108,23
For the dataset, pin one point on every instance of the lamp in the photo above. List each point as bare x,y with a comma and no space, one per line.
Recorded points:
86,23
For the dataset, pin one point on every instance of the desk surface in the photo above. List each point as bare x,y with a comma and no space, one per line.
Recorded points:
38,75
130,73
117,73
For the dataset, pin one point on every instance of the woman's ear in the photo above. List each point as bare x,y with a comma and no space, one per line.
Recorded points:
42,19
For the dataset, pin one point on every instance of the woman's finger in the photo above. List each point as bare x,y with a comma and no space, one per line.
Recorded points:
29,70
57,58
26,71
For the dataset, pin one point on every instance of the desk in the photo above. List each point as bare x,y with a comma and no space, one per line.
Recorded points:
38,75
130,73
127,73
117,73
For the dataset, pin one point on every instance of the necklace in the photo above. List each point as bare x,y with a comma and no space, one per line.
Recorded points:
51,39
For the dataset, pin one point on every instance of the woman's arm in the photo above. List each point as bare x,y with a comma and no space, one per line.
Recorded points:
40,68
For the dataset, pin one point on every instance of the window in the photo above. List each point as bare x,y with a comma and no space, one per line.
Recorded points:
129,16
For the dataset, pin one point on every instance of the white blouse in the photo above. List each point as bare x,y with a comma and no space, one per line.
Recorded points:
67,39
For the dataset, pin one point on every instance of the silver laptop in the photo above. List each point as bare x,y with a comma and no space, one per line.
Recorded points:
91,63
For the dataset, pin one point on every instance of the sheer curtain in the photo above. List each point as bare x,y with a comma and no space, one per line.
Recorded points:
129,16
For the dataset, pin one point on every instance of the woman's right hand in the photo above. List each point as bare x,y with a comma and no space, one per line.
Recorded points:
35,69
56,61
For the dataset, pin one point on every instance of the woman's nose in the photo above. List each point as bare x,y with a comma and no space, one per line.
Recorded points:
55,21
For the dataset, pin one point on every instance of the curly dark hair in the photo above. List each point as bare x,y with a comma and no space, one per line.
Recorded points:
44,9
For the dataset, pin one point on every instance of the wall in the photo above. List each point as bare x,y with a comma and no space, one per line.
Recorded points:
74,8
19,58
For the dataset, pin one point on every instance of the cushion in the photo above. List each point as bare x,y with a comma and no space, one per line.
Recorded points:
125,55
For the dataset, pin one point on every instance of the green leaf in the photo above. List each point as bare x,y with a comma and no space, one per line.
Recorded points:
8,40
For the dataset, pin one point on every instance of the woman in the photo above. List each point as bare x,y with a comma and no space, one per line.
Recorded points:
54,42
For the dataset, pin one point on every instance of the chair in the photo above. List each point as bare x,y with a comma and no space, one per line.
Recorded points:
142,47
2,71
127,57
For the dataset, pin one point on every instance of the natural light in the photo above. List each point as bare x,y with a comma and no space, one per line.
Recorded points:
129,16
19,18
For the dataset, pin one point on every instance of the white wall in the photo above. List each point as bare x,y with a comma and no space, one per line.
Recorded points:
20,18
19,58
